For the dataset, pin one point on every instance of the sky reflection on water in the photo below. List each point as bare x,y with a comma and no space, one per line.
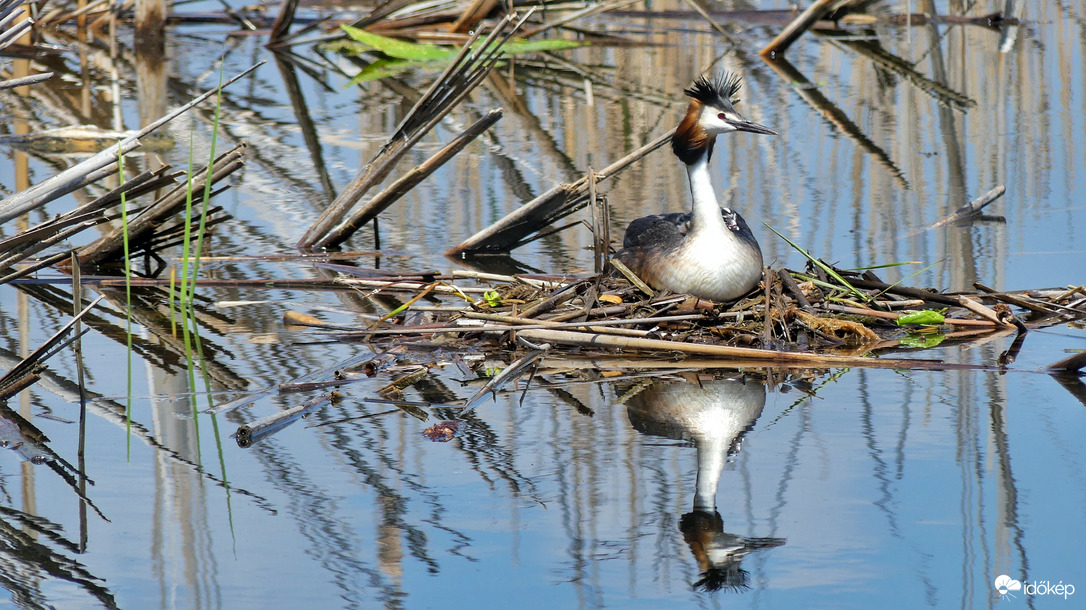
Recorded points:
910,488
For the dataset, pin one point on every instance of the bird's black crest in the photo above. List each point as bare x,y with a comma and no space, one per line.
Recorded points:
718,92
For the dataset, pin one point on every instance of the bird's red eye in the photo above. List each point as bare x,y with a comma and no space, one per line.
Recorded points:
721,116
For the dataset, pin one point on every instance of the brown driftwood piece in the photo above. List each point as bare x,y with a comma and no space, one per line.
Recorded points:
544,209
797,27
361,215
465,72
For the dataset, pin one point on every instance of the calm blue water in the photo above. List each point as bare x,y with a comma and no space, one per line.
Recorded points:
911,489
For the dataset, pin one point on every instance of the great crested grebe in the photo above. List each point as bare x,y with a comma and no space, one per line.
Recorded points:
709,252
714,414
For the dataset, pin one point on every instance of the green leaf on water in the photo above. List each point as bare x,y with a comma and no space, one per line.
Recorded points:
402,55
399,49
922,341
424,52
492,298
519,47
927,316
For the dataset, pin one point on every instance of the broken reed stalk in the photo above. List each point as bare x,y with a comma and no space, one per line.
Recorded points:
1024,303
594,9
381,11
701,10
886,315
601,225
62,183
539,212
595,326
472,15
74,177
11,83
253,432
282,24
985,312
972,208
767,317
380,202
790,284
44,263
26,243
509,373
1071,364
737,354
143,226
9,12
252,397
465,72
28,365
797,27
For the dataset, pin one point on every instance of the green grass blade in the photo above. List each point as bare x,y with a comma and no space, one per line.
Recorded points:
128,306
910,276
207,183
885,265
182,291
829,270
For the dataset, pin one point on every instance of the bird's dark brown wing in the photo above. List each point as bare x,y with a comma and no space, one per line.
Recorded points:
656,230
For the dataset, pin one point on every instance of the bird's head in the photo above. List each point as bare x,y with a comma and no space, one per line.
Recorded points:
711,113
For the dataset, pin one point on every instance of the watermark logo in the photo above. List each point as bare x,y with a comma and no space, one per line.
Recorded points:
1005,586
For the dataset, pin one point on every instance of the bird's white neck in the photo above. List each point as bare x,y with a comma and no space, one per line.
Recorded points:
706,209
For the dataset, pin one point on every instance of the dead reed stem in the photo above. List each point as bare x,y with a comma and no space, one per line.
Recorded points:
540,212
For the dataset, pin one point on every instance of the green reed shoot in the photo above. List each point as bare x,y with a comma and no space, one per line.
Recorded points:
829,270
188,278
127,303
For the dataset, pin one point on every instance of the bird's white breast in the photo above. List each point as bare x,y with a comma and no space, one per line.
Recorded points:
715,265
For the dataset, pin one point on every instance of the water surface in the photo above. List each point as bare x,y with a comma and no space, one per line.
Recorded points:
830,488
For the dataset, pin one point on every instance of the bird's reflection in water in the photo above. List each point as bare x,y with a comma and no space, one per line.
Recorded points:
714,414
